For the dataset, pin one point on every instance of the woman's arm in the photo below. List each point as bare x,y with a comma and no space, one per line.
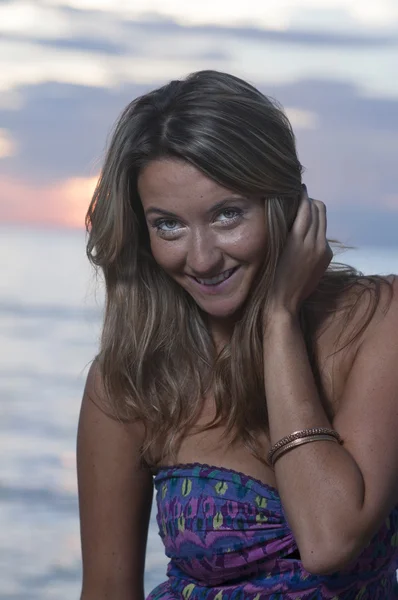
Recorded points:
335,497
115,498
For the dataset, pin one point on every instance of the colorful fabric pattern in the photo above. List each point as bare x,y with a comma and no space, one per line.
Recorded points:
228,539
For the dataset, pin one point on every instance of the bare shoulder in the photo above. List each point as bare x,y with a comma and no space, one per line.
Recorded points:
386,310
354,305
115,497
367,418
362,311
365,311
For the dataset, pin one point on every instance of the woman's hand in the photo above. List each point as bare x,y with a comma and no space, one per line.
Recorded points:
304,259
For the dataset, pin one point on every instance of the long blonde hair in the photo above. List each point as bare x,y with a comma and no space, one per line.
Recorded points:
157,357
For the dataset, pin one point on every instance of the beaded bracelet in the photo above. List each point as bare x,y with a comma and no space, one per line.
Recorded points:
299,442
304,433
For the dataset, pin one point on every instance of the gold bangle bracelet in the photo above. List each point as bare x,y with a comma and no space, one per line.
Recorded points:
299,442
302,434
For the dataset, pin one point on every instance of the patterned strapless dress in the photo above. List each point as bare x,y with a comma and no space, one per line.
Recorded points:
228,539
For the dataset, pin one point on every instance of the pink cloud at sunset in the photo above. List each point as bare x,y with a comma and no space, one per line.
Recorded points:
59,204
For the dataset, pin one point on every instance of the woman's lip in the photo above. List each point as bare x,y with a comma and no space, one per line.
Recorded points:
218,287
222,273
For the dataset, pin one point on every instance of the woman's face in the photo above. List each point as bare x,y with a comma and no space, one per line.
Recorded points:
210,240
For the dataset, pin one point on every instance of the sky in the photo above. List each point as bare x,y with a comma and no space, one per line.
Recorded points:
69,67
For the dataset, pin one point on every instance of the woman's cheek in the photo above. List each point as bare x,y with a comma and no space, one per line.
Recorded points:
168,255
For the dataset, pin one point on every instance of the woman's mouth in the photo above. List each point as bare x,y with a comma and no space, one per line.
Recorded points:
215,284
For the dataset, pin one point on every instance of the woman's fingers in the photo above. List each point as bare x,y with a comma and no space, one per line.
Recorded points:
311,221
303,220
322,219
312,233
322,239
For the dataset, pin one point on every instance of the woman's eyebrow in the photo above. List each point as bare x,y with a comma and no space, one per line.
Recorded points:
215,207
161,211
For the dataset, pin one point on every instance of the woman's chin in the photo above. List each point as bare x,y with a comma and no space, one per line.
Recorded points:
221,309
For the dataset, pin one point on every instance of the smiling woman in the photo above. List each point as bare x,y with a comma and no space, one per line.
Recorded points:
219,240
256,381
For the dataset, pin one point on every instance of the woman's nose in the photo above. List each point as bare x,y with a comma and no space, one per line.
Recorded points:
204,257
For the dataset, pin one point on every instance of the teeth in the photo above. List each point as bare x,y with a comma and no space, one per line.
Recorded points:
217,279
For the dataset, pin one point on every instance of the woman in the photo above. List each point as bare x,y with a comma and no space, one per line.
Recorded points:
258,383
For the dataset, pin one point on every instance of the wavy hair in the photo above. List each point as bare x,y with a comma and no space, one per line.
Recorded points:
157,358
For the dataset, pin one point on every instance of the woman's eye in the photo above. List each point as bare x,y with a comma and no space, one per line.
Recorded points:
166,225
230,214
171,227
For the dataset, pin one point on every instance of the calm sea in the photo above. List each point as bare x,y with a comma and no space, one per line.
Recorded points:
50,317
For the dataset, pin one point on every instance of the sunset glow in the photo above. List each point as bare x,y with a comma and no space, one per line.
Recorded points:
62,204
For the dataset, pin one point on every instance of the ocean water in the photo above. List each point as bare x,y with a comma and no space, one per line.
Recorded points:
50,318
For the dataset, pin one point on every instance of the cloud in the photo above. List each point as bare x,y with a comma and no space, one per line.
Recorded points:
42,41
61,130
351,156
391,202
277,12
263,34
348,143
62,203
82,44
63,25
360,226
301,119
7,144
68,72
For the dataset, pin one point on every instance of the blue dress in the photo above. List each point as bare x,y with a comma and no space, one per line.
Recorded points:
228,539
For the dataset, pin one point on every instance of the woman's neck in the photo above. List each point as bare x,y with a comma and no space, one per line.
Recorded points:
221,331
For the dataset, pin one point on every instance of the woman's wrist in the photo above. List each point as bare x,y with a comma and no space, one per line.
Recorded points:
279,321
